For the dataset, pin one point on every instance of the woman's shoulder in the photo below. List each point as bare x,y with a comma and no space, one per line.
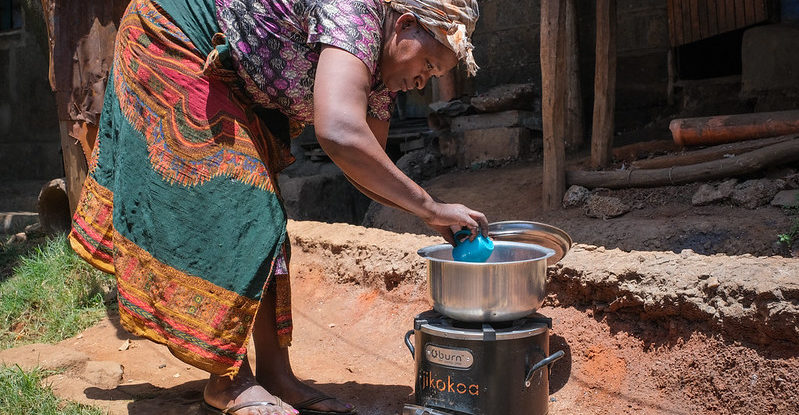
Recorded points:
352,25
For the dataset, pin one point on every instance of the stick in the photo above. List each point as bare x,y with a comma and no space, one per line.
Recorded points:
773,155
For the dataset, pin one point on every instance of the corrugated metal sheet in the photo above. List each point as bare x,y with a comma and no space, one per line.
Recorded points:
692,20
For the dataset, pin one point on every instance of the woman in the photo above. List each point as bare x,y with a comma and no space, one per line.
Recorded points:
181,202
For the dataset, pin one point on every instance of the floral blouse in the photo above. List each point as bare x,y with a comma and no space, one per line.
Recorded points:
275,46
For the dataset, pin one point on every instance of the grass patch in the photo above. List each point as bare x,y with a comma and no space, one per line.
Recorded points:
51,295
10,256
24,393
791,237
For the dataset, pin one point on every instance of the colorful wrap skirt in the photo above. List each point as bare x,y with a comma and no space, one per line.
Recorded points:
181,201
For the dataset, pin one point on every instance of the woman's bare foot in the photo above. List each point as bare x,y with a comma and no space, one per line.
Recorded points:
273,368
291,389
222,392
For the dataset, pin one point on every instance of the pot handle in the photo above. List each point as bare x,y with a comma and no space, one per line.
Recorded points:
409,344
544,362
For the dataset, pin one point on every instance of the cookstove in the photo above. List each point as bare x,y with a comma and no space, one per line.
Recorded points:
480,368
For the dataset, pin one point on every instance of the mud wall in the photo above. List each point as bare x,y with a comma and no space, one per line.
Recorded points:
742,298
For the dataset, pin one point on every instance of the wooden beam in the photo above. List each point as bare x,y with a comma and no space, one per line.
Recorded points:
747,163
604,84
553,101
706,154
75,166
574,96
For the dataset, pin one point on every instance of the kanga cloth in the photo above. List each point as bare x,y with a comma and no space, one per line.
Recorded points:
181,202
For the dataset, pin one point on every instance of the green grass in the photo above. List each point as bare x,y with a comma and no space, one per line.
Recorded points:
791,237
51,295
25,393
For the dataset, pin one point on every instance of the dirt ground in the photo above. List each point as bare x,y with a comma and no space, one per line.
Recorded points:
349,327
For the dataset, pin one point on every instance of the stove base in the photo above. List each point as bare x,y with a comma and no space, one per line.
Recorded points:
480,369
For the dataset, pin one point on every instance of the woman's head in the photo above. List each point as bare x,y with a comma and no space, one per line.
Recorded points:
426,38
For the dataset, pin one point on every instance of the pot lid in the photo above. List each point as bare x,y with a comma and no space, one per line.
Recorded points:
536,233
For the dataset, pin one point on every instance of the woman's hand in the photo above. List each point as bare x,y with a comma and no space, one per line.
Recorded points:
447,218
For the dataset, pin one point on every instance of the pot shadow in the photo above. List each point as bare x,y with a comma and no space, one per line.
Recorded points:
561,370
187,398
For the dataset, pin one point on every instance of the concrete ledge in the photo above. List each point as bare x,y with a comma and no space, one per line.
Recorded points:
748,298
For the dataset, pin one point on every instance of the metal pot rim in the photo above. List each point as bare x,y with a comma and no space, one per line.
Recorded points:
548,252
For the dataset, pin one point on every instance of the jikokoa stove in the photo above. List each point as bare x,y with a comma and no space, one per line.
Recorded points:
483,350
472,368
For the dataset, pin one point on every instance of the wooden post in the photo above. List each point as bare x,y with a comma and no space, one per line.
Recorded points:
574,96
553,101
604,84
81,42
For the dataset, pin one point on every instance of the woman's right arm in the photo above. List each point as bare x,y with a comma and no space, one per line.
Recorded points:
341,93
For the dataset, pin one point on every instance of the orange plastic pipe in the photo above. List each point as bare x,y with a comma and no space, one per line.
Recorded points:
729,128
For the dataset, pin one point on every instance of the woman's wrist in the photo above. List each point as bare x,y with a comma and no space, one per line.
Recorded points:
427,209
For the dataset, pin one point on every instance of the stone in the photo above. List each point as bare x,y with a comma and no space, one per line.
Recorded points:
792,181
708,194
13,222
513,118
786,199
754,193
419,165
765,65
605,207
17,238
508,97
449,108
575,196
314,198
494,144
103,374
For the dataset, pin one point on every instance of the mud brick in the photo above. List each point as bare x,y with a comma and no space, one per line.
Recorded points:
513,118
494,144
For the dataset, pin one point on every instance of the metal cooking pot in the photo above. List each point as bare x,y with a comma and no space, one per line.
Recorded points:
510,285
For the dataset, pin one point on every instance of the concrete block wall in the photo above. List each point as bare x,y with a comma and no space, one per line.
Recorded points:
29,136
507,42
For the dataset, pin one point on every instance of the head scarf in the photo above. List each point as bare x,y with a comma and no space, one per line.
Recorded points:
451,22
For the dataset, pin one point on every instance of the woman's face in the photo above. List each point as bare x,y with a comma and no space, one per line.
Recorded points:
411,56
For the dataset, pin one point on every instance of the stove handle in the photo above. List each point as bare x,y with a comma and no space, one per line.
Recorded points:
544,362
409,344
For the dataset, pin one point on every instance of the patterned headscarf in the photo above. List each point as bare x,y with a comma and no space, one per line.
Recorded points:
451,22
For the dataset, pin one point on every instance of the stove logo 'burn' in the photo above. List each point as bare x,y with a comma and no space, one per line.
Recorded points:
430,381
444,356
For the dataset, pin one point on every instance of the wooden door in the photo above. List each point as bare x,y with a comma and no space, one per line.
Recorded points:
692,20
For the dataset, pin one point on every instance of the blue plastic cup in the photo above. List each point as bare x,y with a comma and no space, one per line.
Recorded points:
477,250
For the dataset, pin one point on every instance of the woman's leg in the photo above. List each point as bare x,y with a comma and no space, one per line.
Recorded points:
224,392
272,365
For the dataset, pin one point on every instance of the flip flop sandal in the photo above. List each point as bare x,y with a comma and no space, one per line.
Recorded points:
303,407
210,410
